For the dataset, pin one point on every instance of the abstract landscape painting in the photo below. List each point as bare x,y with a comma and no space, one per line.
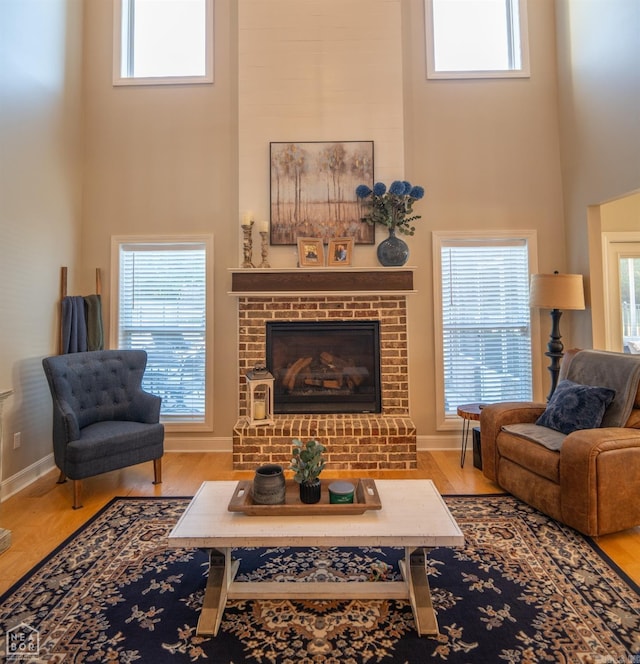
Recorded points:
313,190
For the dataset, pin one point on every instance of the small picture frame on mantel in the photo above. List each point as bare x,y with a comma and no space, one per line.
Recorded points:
310,252
340,252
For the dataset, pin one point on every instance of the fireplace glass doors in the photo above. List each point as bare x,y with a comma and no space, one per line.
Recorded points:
325,367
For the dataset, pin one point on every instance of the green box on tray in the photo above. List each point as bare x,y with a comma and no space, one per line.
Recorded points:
341,493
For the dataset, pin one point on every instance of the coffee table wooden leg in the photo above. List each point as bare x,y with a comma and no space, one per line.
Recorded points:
414,570
222,570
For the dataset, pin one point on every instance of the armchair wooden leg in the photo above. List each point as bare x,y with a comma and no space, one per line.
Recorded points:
62,478
77,491
157,471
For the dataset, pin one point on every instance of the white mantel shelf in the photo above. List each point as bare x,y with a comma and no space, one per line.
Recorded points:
267,282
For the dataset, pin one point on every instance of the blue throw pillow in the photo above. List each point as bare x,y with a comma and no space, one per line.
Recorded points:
573,406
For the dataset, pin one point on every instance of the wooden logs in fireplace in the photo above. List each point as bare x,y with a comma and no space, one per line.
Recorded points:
328,371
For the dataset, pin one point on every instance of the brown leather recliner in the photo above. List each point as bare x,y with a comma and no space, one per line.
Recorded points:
592,482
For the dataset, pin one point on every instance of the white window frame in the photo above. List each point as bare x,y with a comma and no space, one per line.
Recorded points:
450,422
174,424
121,32
615,245
522,72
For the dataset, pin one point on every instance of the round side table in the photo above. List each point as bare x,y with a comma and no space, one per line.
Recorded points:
469,412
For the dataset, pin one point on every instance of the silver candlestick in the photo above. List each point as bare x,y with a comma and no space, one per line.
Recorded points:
264,248
247,244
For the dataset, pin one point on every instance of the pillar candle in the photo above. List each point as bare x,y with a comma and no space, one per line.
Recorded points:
259,410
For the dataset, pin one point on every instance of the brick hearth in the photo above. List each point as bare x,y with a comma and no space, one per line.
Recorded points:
367,442
382,441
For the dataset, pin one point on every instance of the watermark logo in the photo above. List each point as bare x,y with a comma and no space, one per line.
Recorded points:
22,641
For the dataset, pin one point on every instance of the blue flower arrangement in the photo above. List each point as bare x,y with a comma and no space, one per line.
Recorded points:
392,208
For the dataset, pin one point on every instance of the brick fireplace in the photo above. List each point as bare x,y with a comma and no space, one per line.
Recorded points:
367,441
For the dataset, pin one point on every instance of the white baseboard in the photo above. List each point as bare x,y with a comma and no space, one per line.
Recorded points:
30,474
439,442
197,444
25,477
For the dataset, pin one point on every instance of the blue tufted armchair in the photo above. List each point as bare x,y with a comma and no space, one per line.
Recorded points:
102,418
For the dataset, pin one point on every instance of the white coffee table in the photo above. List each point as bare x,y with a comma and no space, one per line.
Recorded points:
413,516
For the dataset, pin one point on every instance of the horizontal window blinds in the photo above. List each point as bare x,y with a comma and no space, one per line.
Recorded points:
486,322
162,309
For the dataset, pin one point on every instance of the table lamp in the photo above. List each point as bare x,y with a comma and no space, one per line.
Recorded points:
556,291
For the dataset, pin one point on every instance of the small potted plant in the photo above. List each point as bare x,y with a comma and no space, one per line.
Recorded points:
307,463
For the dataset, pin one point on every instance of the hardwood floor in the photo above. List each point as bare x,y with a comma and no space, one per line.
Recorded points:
40,517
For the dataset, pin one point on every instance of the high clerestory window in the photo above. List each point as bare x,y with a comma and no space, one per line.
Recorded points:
162,42
476,38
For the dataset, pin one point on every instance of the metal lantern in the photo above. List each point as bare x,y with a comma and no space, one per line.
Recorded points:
260,397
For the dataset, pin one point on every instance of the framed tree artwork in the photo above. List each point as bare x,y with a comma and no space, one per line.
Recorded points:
313,190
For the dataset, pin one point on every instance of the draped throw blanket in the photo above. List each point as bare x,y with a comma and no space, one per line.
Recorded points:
74,325
81,324
93,312
617,371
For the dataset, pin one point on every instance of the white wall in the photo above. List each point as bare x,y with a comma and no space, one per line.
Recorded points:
319,70
40,199
82,160
620,219
488,153
191,158
163,160
599,83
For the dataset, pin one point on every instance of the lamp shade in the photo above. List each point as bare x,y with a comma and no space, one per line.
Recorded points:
556,291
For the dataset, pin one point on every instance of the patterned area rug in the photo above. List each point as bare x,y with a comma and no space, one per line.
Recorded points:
524,589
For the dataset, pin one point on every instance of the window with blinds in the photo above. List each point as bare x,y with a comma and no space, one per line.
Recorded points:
486,331
162,309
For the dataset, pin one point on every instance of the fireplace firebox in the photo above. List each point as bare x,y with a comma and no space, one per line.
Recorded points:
325,367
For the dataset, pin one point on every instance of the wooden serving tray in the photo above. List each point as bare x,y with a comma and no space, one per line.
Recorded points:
365,497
